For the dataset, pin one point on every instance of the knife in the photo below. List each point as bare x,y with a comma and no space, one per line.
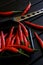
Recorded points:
25,17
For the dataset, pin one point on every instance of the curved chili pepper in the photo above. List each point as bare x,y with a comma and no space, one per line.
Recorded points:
15,50
39,39
6,13
26,42
11,49
20,34
24,48
34,25
25,30
9,12
17,39
12,41
8,40
26,9
1,50
11,32
2,40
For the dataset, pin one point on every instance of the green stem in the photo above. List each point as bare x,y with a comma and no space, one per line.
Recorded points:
24,54
35,50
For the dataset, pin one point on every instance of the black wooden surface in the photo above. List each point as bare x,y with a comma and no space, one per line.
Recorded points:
37,57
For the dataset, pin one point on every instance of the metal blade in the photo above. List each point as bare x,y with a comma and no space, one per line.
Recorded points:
21,18
27,16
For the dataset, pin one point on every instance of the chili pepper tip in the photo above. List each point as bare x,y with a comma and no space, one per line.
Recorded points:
29,2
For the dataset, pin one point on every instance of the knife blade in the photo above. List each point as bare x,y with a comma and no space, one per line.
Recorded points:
27,16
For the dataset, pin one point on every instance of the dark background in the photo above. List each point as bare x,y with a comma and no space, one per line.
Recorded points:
36,58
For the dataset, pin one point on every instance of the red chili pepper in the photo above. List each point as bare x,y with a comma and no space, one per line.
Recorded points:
15,50
25,30
8,40
20,34
34,25
26,42
0,45
1,50
12,41
12,49
2,40
11,32
24,48
9,12
39,39
17,39
26,9
6,13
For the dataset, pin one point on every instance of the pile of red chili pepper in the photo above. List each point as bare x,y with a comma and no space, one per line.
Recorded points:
15,41
18,41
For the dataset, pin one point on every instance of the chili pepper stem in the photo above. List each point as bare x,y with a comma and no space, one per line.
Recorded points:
35,50
23,54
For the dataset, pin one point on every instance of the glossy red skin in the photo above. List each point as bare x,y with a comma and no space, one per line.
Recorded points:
8,40
2,40
26,42
20,33
24,29
23,47
36,26
39,39
26,9
13,40
6,13
17,39
12,49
